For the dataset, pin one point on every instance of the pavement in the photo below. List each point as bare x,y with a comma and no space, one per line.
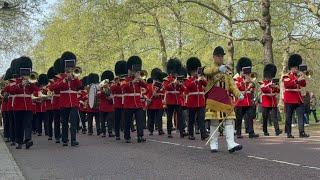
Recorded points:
273,157
8,167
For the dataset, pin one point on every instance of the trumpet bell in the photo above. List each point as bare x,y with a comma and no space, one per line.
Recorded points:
77,72
33,78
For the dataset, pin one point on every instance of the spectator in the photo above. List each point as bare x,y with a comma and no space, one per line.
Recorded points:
313,106
306,102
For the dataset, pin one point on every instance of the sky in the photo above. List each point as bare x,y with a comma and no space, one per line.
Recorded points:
47,8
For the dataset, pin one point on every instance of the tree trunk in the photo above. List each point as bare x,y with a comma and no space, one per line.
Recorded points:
266,28
121,48
163,49
230,47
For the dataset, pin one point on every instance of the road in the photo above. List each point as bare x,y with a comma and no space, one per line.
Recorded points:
163,158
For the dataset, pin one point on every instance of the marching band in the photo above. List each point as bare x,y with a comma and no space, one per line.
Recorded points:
190,96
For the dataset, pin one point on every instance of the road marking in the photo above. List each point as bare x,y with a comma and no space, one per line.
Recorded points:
284,162
250,156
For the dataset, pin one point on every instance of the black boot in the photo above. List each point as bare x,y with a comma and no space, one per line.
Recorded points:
290,136
278,132
303,135
253,135
19,146
237,148
204,136
29,144
141,139
74,143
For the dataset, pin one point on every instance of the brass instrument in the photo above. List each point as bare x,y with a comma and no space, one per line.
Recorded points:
76,72
33,77
143,74
104,87
253,76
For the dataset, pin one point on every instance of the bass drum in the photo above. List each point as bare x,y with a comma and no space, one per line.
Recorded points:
93,100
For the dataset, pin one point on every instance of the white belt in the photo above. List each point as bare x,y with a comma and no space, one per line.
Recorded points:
56,95
293,90
159,94
69,91
23,95
246,92
118,95
173,92
196,93
271,94
132,94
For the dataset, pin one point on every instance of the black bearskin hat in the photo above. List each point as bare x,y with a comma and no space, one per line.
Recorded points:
183,72
43,80
67,56
93,78
8,74
156,74
25,62
269,71
193,64
163,75
120,68
294,61
56,66
243,62
85,80
14,66
149,80
133,60
51,73
107,75
173,66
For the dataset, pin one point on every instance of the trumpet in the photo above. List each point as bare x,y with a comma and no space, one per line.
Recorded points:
33,77
308,73
143,74
76,72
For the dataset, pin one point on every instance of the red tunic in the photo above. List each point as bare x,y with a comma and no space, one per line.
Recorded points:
292,92
195,92
68,92
156,97
22,99
105,103
132,93
269,94
117,94
173,92
247,89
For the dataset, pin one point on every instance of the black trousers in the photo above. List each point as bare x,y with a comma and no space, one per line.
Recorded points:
23,126
270,114
73,115
244,112
42,118
170,111
138,114
34,122
83,119
107,117
6,125
57,124
90,122
290,108
49,122
196,114
117,121
314,112
155,119
12,124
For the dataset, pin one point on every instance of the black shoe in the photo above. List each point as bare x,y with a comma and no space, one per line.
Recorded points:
84,131
151,134
141,139
117,138
239,136
13,144
128,141
221,134
161,133
74,143
65,144
266,134
204,136
237,148
303,135
111,135
191,138
57,141
29,144
213,150
103,135
290,136
253,135
50,139
98,134
170,136
19,146
278,132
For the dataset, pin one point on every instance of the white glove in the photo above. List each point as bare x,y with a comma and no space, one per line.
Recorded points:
223,68
241,97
